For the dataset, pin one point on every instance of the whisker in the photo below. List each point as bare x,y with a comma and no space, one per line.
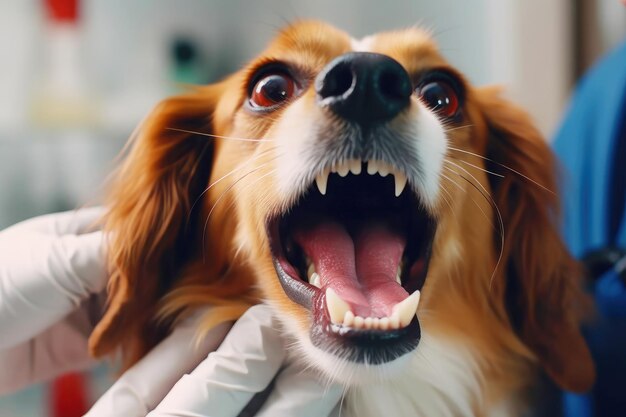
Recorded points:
220,136
477,167
457,128
453,182
493,204
468,173
448,202
229,188
238,168
344,391
472,198
503,166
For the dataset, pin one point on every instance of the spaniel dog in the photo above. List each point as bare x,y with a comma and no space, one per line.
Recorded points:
401,222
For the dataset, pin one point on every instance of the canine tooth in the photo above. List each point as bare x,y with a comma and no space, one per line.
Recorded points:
348,319
406,309
359,322
400,179
384,323
394,322
316,281
383,169
343,169
322,181
355,166
310,270
372,167
337,308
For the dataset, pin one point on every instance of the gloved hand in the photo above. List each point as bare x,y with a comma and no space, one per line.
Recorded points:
52,276
48,266
249,359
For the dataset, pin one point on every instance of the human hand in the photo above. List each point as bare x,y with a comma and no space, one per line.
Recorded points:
223,384
48,266
250,357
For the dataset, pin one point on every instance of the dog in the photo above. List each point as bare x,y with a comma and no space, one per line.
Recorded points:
402,223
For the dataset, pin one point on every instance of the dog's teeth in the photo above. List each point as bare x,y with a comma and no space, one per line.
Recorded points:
348,319
359,322
384,323
355,166
400,179
343,169
383,169
368,322
406,309
337,308
310,271
398,274
315,280
372,167
322,181
394,322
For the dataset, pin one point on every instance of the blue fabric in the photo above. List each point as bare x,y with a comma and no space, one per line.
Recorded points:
586,145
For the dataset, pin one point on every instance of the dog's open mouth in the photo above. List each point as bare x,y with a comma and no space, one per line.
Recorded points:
355,250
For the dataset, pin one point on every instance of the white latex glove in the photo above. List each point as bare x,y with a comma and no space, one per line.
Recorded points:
250,357
144,385
52,275
48,266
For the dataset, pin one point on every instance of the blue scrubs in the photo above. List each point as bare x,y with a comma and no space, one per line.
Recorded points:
591,145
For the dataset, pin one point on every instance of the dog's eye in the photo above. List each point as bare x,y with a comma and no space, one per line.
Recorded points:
440,97
271,90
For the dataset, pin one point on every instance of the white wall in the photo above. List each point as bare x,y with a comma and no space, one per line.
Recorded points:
523,44
531,52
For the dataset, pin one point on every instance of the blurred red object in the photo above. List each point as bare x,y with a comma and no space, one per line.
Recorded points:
68,396
62,10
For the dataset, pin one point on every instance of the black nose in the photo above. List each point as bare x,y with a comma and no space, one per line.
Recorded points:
364,88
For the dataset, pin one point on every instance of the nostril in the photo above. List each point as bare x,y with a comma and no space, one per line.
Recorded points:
364,88
337,81
392,85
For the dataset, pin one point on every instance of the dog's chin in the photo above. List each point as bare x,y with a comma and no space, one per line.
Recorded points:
334,367
355,255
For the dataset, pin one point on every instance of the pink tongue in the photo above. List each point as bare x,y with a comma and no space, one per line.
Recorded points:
361,271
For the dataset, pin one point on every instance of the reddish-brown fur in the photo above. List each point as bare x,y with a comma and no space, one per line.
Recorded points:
164,263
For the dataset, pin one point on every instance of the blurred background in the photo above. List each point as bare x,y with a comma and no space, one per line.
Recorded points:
76,77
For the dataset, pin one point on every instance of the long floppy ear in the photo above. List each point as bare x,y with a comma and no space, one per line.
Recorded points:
543,294
148,224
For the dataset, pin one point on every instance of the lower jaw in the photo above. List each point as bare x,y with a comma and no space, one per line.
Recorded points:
368,347
357,347
348,373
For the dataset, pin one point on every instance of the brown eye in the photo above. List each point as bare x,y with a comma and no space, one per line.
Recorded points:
271,90
440,97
